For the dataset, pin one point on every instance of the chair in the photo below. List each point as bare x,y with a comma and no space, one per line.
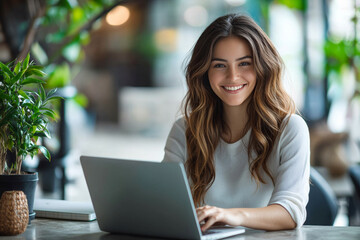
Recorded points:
322,207
354,172
354,200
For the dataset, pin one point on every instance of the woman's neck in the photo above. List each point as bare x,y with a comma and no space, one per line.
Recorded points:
236,119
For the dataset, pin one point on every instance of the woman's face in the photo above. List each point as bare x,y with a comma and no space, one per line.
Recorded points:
231,74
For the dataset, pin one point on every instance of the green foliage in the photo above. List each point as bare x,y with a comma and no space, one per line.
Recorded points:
294,4
341,53
24,111
59,77
145,45
81,100
69,18
67,24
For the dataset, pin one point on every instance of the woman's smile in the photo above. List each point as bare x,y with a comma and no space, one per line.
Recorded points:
234,89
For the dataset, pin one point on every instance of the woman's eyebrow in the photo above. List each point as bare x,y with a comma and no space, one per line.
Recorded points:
224,60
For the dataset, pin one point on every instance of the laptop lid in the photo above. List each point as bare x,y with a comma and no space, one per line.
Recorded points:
143,198
138,197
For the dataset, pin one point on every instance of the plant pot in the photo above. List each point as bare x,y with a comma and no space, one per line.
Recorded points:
26,183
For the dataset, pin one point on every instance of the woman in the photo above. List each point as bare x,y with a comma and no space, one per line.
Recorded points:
245,151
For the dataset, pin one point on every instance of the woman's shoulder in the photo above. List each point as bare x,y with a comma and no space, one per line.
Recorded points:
180,123
295,121
178,127
294,125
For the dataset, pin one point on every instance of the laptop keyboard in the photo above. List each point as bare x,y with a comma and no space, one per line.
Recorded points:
219,233
210,231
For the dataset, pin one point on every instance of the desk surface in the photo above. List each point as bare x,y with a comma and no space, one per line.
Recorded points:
57,229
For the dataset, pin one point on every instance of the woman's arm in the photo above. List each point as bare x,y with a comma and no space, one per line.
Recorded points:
272,217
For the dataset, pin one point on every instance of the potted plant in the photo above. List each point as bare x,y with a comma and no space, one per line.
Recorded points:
24,114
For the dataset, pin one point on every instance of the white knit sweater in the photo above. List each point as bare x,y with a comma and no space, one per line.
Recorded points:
289,164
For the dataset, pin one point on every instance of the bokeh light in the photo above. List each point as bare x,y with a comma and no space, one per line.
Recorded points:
166,39
118,16
235,3
196,16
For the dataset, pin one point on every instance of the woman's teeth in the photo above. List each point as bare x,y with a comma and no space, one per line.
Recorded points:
234,88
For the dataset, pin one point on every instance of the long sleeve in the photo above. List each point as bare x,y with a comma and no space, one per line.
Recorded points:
293,173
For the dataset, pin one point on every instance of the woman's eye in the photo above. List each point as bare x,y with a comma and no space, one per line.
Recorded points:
219,65
244,64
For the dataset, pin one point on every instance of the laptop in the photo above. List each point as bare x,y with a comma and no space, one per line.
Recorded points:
145,198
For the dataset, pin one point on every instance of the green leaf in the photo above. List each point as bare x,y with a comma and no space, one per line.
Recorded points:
17,77
32,80
38,67
39,121
36,72
84,38
60,76
38,103
45,152
46,131
3,95
81,99
52,99
38,53
7,116
45,109
23,94
51,92
50,114
17,68
33,130
6,77
27,140
32,100
7,70
34,95
42,134
42,93
294,4
26,61
35,116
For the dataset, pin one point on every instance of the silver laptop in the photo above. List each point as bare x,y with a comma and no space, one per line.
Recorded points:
145,198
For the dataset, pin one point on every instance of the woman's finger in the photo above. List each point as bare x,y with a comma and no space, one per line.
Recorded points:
210,222
204,212
210,216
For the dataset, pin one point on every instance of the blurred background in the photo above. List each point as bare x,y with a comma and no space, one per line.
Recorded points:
120,67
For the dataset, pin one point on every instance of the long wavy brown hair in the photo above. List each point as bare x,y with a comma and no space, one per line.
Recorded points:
268,105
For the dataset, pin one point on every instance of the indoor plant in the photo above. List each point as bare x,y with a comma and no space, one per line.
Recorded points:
24,114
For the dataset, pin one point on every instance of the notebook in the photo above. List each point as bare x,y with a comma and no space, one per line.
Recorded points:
62,209
145,198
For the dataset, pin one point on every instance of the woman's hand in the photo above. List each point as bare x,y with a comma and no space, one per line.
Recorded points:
272,217
213,216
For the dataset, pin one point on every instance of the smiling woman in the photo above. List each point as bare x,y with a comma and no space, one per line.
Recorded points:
231,74
245,150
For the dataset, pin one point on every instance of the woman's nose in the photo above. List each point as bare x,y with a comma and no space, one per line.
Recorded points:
233,74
